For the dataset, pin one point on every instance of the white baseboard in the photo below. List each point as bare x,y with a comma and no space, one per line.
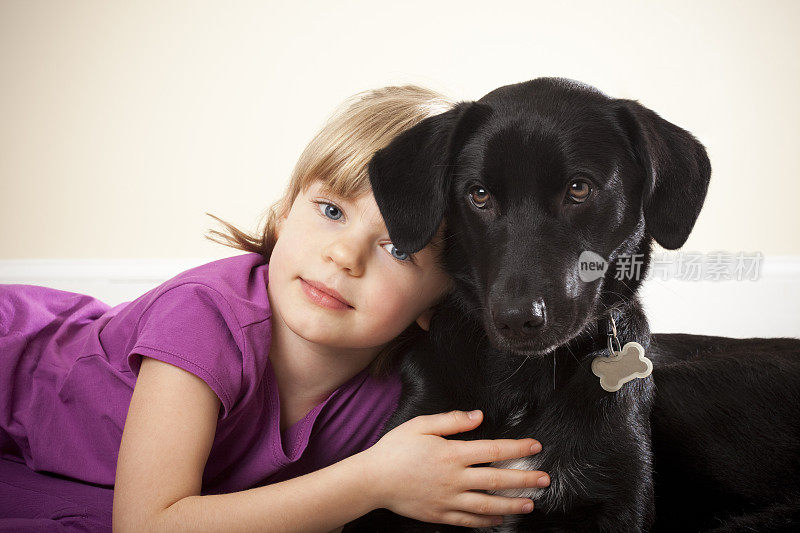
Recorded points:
112,281
766,307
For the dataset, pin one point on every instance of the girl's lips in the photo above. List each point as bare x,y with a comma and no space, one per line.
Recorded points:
317,294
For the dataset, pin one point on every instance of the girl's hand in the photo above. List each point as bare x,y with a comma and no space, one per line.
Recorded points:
421,475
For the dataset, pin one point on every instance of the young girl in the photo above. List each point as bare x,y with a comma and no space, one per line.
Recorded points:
252,389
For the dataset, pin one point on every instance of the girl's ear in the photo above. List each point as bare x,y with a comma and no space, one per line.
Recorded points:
424,320
410,177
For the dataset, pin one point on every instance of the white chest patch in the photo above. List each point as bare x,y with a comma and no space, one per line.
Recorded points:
523,463
569,479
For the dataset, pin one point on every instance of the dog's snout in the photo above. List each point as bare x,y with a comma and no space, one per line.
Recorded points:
524,319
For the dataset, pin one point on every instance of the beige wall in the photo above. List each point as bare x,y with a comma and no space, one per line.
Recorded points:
121,123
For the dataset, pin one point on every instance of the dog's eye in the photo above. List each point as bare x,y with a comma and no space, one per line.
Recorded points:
479,196
579,191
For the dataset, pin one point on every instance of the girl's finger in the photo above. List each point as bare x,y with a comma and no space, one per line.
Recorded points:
487,451
461,518
447,423
486,504
491,478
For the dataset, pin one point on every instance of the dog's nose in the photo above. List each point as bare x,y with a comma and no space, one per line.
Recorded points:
524,319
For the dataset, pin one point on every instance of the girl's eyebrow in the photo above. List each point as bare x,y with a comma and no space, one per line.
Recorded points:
333,196
330,192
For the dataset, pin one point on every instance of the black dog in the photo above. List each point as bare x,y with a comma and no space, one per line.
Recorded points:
527,178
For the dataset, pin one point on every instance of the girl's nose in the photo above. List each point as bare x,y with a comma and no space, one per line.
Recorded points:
347,254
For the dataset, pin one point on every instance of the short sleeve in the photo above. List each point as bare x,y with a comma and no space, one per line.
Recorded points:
193,327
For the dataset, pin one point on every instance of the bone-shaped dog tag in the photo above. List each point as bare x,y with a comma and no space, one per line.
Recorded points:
628,364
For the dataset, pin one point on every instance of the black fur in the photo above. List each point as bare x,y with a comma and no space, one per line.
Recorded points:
517,335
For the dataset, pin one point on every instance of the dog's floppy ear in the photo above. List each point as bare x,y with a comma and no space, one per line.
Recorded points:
677,171
410,177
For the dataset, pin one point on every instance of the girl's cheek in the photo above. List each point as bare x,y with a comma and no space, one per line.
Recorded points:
395,280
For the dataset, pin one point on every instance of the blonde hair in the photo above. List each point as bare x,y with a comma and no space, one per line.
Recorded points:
338,155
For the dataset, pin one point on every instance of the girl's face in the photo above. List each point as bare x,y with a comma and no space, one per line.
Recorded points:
344,245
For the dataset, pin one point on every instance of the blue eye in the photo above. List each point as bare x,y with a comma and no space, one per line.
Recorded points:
330,210
397,254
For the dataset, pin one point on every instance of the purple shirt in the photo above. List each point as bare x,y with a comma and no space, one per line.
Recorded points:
68,365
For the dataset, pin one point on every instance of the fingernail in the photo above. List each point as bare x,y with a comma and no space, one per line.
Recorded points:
536,447
527,508
543,481
474,414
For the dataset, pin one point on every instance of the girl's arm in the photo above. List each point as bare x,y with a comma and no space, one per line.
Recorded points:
165,444
170,429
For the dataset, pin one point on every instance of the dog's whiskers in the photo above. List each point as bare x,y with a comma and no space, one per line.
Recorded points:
524,360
